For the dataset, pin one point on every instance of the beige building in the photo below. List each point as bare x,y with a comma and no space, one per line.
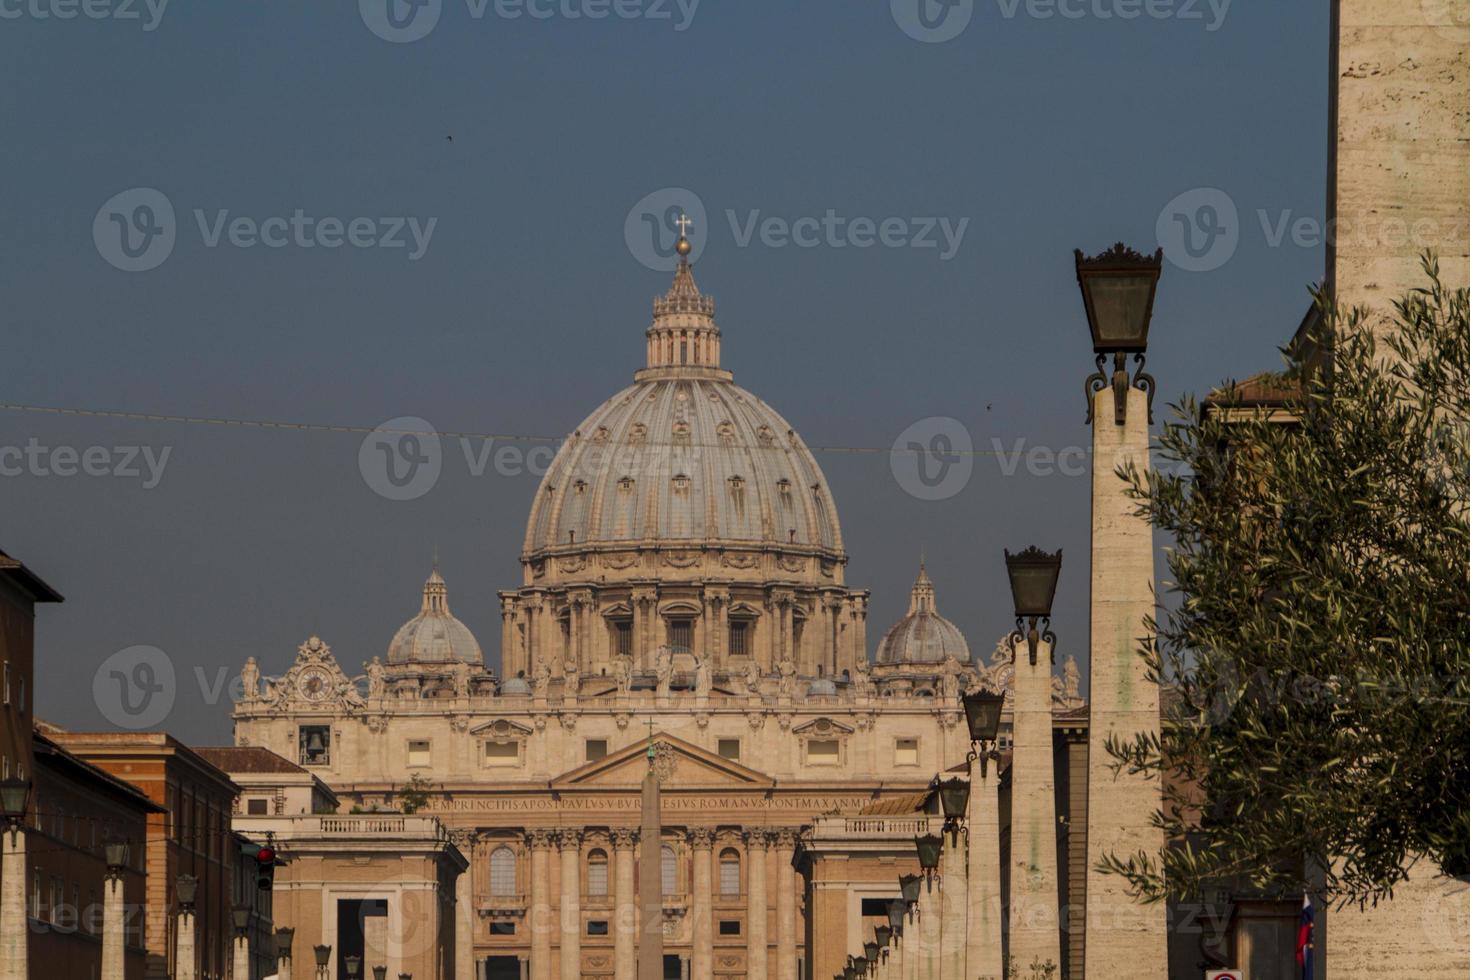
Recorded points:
682,585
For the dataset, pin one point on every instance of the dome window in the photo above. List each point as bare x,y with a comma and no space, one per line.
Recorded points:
765,435
580,487
681,484
602,434
626,484
638,434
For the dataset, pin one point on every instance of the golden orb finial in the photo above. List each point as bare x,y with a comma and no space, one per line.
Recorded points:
683,247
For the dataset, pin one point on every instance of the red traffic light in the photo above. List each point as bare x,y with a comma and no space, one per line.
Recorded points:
265,856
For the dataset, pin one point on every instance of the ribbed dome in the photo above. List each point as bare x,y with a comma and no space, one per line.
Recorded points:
683,455
923,636
434,635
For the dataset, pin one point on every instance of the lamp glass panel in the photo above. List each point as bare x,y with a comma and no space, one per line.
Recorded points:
1033,585
1120,303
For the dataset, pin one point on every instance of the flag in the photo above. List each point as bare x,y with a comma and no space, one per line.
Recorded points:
1304,939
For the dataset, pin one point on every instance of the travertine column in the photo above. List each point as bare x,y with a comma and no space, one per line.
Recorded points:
540,919
983,957
1123,937
113,963
785,905
185,965
894,965
756,906
625,908
955,896
930,930
701,843
464,911
14,954
913,953
1035,926
571,904
241,949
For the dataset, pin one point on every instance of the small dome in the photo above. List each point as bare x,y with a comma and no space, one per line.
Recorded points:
923,636
516,685
434,635
822,687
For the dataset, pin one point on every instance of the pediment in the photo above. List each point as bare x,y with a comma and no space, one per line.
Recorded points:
823,727
692,768
501,728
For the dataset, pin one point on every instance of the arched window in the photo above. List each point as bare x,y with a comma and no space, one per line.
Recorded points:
502,871
729,872
597,873
670,870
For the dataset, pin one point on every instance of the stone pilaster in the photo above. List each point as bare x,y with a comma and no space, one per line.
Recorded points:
785,905
571,904
701,844
984,915
625,909
539,916
1123,937
464,910
757,952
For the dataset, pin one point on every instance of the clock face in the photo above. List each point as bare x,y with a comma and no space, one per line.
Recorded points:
314,683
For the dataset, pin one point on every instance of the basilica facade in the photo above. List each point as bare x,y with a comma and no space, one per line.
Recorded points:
682,597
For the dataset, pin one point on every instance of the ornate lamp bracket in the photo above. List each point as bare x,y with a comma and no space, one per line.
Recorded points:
1032,636
1098,380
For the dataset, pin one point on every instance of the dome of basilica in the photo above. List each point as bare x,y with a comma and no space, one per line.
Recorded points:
684,455
434,635
923,636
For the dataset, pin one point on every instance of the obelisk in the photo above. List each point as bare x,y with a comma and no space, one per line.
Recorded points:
650,878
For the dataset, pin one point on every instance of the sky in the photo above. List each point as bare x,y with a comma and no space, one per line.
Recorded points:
348,214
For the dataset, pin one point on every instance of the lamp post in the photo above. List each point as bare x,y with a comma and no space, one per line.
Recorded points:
186,889
15,797
241,916
954,801
284,937
113,964
1035,928
1118,288
353,962
984,957
380,972
323,955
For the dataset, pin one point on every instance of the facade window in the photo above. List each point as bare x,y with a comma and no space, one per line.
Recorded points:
257,807
597,874
502,872
596,749
739,638
502,753
316,745
597,927
906,752
729,872
419,753
669,866
623,631
681,635
823,752
729,748
502,928
729,927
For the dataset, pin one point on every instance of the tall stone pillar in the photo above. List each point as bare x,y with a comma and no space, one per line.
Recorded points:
113,961
14,952
625,908
983,957
894,965
571,904
756,905
931,932
464,910
185,960
701,843
1123,937
241,952
954,898
1035,925
541,920
913,953
785,905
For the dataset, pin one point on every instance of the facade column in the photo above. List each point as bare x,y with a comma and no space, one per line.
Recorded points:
931,933
913,952
1130,939
464,910
984,958
14,953
785,905
954,897
756,905
701,843
185,962
1035,924
241,948
625,907
895,957
540,918
113,962
571,904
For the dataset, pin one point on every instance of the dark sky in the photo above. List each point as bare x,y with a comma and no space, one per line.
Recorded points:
526,309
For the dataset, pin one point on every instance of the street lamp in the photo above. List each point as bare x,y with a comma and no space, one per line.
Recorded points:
982,715
909,885
1118,290
241,915
896,910
954,801
929,847
117,857
870,950
186,888
1033,574
380,972
15,793
353,963
284,936
15,953
323,957
884,935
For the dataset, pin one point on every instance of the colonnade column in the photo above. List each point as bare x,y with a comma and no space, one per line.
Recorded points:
701,842
984,956
954,898
540,842
785,905
571,904
756,904
625,908
1035,928
930,928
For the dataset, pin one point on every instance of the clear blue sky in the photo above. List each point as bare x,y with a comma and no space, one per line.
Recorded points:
527,308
